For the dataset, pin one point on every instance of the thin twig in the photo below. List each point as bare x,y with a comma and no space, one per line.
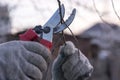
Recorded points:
113,6
62,21
60,12
99,15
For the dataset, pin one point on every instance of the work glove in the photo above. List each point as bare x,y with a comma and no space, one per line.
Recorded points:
71,64
23,60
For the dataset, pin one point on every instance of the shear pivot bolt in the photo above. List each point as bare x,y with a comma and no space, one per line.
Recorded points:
46,29
38,29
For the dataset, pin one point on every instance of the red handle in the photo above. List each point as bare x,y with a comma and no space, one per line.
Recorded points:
46,43
31,35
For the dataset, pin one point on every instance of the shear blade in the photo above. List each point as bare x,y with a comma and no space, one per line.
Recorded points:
52,23
56,18
63,26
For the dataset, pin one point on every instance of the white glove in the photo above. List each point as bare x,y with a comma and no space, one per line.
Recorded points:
23,60
71,64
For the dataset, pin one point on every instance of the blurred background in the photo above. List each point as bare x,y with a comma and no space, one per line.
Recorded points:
96,27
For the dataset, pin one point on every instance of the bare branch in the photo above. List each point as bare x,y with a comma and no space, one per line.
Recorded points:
113,6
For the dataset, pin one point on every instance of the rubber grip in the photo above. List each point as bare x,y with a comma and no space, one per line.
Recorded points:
29,35
46,43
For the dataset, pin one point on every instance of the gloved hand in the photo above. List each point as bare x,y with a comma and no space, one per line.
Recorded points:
71,64
23,60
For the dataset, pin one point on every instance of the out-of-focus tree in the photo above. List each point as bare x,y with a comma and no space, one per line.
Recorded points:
28,13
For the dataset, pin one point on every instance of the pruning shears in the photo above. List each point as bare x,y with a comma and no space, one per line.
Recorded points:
44,34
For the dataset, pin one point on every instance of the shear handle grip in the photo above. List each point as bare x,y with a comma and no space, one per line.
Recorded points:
31,35
46,43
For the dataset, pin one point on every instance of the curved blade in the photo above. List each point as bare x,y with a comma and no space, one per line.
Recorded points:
61,27
56,18
52,23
